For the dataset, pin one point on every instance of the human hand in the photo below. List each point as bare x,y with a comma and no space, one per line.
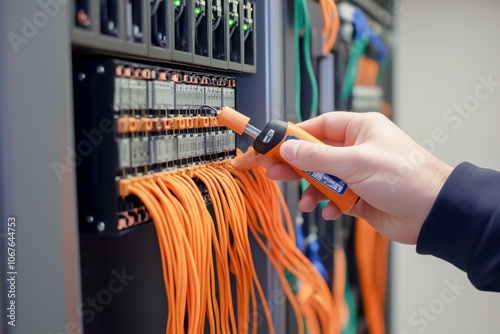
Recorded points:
397,180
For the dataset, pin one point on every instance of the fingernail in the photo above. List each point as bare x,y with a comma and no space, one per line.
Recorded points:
289,150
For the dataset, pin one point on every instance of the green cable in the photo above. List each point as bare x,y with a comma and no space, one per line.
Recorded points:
296,32
301,21
358,49
303,186
308,61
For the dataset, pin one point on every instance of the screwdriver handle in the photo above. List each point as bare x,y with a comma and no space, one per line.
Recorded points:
276,133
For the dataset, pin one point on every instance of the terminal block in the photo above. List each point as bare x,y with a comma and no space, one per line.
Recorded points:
133,120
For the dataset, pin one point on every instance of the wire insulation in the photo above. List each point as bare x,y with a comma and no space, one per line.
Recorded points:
265,207
302,23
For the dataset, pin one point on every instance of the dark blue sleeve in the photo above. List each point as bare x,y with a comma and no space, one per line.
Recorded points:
463,226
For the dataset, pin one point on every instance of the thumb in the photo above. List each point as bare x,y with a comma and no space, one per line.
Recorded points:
307,156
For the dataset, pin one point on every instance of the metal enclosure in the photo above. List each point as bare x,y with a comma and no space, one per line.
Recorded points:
37,162
36,134
37,138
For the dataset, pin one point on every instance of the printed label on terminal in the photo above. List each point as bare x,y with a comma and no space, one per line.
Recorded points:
329,181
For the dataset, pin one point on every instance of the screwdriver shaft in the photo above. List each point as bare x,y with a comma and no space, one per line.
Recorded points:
251,131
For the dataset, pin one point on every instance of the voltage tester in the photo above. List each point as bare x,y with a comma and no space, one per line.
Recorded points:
268,142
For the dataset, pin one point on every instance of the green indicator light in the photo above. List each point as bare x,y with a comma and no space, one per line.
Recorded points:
245,26
197,10
231,22
177,3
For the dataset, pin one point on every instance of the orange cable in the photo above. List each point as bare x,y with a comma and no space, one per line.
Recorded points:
239,263
230,183
331,24
367,252
166,239
380,264
226,310
241,201
200,241
235,261
267,204
339,282
212,305
190,282
367,72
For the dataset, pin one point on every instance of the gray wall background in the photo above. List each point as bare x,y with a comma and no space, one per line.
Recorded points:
35,130
442,48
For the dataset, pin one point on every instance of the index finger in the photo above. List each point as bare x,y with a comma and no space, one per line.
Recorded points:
333,126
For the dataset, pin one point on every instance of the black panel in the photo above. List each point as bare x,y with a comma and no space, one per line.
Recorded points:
96,151
122,283
122,279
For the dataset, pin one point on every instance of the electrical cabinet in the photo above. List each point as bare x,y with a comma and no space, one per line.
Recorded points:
115,89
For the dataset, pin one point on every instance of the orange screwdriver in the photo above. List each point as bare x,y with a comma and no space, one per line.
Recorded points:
268,142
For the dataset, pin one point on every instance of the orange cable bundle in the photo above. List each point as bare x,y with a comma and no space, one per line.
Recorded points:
200,238
241,248
179,217
186,249
198,287
372,257
222,261
265,207
189,240
178,267
231,212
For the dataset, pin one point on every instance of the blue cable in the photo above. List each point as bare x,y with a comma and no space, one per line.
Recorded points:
312,254
299,233
362,35
362,30
361,27
379,45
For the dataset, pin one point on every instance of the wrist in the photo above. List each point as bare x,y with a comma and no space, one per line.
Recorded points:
437,174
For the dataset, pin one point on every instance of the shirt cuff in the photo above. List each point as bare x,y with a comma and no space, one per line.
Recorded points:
457,219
